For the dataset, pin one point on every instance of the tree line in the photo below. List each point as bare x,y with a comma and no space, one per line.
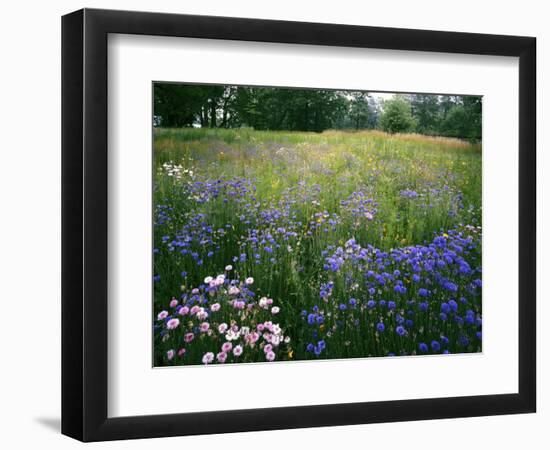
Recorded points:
265,108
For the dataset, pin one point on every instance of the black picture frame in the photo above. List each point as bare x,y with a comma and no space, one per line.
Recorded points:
84,224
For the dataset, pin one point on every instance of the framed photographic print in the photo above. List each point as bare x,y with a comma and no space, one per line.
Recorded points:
273,224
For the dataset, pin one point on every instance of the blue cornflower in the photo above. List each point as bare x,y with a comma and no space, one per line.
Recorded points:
320,319
268,249
415,278
391,305
450,286
478,335
400,330
309,347
423,347
382,303
436,346
409,323
342,307
156,278
371,304
400,289
352,302
423,306
463,341
445,308
445,340
443,316
453,305
423,292
311,319
380,327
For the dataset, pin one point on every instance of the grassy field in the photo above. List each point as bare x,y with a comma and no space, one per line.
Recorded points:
288,245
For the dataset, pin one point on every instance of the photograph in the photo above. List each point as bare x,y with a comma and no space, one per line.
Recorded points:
312,224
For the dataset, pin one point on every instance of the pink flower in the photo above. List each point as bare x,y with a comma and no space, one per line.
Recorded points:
172,324
238,350
183,310
208,358
237,304
181,352
233,290
195,291
221,357
270,356
215,307
253,337
173,303
204,327
162,315
275,310
188,337
170,354
268,348
222,328
260,327
202,314
249,280
226,347
194,310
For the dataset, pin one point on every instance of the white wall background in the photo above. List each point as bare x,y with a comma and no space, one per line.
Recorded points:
30,221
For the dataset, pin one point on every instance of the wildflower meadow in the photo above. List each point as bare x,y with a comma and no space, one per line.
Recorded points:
276,245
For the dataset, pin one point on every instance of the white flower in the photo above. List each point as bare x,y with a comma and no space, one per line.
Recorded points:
208,280
249,280
275,310
229,268
232,335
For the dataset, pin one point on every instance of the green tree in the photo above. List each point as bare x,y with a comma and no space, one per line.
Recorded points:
397,116
463,120
426,110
